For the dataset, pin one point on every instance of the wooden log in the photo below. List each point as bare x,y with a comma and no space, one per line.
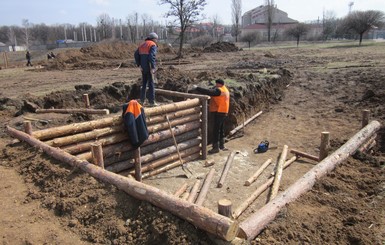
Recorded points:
232,132
180,94
200,217
157,140
170,166
173,115
324,146
123,165
259,171
259,191
97,154
254,224
278,173
205,187
194,191
303,154
181,190
225,208
178,121
226,168
172,157
79,110
75,128
86,100
175,142
185,196
138,165
365,118
94,134
28,127
120,137
368,145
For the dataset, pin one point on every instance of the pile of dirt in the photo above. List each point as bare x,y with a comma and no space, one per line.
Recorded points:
221,47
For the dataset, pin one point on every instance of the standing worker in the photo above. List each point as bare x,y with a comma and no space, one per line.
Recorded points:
28,57
219,106
145,58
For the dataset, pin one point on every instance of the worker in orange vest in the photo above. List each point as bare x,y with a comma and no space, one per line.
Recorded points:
219,106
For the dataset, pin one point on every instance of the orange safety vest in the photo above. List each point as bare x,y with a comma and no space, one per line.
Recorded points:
146,46
220,103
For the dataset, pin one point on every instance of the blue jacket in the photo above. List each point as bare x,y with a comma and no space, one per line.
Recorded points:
145,55
134,121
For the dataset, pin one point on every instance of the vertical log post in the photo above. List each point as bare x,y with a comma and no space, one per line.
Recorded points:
324,147
86,100
97,154
225,207
138,165
28,127
205,187
365,118
278,173
204,128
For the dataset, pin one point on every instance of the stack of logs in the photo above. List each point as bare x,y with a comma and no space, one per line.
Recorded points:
185,123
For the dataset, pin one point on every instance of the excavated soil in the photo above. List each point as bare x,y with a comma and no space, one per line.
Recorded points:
301,91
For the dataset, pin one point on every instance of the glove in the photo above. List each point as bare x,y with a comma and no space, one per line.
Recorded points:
153,71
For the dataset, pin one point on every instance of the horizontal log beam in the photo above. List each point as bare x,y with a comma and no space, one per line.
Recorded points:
180,94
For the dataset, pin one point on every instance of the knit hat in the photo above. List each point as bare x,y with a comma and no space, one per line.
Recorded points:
152,35
220,81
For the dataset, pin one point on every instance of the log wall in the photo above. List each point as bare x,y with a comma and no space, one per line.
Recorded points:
187,122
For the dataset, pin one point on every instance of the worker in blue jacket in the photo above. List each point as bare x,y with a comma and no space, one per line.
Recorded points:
134,121
145,58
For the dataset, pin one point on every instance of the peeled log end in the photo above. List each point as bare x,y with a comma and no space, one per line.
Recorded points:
231,233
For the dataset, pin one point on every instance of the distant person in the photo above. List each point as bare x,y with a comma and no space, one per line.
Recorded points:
53,56
219,107
28,57
145,58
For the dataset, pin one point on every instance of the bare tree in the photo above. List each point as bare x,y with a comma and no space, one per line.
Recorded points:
297,31
12,37
363,21
236,12
26,24
132,23
216,23
187,12
270,7
329,24
104,23
251,37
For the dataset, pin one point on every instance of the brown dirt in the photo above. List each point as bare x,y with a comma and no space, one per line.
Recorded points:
320,89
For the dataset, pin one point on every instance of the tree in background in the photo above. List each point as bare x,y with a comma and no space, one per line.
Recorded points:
297,31
329,24
363,21
270,17
132,24
251,37
25,24
236,13
187,12
104,24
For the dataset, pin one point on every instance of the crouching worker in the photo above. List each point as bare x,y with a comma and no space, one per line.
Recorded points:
219,107
134,121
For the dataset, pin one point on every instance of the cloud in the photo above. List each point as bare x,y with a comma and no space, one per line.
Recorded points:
100,2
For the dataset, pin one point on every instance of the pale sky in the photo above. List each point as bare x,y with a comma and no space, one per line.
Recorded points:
52,12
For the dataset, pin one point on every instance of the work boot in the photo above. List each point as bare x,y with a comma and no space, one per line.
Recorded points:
223,148
153,104
222,145
213,151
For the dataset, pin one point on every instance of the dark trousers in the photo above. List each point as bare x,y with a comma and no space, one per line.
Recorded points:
147,79
29,62
218,130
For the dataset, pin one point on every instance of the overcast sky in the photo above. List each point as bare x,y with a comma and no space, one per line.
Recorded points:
51,12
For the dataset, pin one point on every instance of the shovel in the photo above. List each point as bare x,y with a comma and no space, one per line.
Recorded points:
188,173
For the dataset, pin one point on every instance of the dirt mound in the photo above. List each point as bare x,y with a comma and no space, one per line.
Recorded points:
221,47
